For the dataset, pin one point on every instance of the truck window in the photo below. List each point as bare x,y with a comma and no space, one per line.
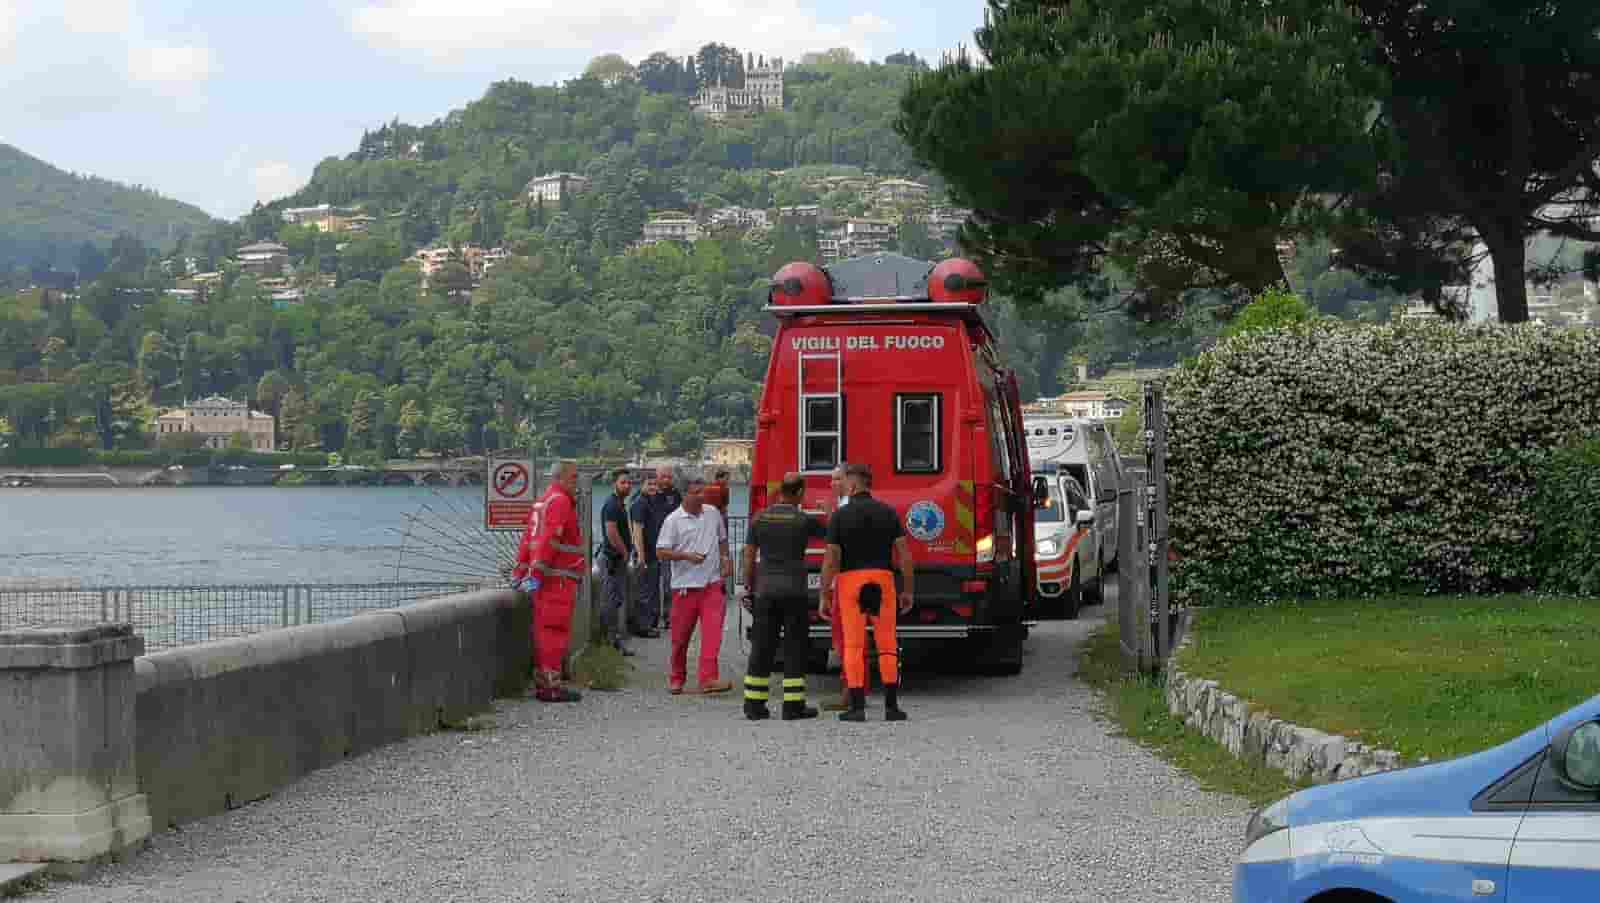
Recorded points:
998,437
917,433
1101,454
820,433
1078,473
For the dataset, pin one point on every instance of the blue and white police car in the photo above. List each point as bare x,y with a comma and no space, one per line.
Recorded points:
1517,823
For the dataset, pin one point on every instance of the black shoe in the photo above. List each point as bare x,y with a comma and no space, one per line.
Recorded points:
756,711
858,707
894,714
797,711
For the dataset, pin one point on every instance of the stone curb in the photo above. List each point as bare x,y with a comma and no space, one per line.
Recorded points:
1300,753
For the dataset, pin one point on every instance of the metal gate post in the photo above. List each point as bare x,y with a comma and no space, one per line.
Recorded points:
1128,546
1156,453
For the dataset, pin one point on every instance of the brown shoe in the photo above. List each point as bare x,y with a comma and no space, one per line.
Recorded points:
716,686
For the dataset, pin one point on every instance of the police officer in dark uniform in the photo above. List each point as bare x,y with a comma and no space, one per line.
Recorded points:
779,601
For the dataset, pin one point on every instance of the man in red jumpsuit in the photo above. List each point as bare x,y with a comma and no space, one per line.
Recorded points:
549,567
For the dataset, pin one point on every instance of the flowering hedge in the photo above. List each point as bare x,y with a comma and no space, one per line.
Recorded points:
1566,510
1331,459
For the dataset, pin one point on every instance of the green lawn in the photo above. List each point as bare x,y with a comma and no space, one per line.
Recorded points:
1139,709
1430,676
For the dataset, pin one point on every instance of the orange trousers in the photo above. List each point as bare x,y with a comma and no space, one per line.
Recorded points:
855,628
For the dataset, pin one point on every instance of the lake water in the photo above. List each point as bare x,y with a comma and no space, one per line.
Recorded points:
223,535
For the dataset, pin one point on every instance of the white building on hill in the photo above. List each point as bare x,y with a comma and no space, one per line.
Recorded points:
218,419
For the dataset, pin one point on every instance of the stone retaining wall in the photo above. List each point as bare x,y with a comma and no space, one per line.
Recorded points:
223,723
1301,753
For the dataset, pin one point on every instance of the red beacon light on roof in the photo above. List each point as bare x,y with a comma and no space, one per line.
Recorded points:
800,284
957,281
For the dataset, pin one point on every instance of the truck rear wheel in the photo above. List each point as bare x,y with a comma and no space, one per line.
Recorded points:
1000,652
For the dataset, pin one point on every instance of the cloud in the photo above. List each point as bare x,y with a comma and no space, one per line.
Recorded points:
468,30
173,66
8,24
272,179
98,16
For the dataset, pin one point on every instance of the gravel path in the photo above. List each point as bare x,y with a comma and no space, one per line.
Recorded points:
997,789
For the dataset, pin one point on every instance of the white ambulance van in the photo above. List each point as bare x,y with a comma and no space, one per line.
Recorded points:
1083,449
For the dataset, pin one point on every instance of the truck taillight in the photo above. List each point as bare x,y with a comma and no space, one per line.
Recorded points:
986,549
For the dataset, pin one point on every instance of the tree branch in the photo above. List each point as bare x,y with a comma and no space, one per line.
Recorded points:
1569,175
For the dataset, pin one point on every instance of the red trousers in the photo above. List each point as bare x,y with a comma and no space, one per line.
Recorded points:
704,606
552,622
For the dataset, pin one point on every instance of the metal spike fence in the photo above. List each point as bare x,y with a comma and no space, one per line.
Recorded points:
169,616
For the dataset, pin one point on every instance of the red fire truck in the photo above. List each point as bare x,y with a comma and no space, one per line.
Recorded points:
886,360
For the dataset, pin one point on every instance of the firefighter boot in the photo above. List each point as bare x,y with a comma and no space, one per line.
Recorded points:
755,697
891,703
858,707
798,711
794,700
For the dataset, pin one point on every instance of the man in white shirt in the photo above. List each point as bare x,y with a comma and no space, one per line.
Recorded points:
694,542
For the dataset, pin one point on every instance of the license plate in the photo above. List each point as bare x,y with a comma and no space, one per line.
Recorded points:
813,581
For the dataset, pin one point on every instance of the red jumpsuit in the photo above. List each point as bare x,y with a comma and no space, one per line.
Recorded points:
552,550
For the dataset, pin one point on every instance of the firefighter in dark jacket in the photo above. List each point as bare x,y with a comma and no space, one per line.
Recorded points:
779,601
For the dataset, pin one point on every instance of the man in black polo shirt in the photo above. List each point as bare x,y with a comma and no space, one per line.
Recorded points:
650,510
864,539
780,533
618,548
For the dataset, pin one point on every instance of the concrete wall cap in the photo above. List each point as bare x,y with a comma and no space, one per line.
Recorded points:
451,609
95,653
64,635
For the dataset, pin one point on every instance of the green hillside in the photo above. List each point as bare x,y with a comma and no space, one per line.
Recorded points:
47,214
538,322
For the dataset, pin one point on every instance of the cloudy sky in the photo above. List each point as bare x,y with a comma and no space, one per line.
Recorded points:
224,103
